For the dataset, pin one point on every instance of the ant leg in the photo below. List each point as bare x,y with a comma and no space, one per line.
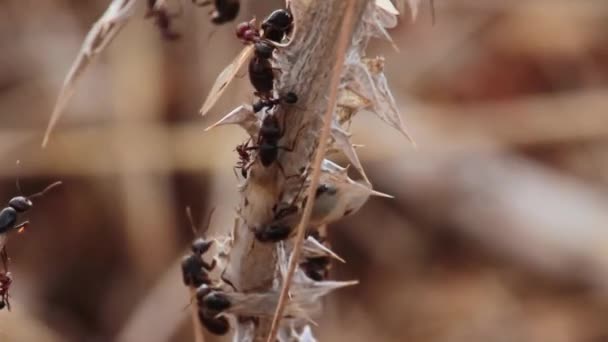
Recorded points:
201,3
211,266
4,256
21,226
294,142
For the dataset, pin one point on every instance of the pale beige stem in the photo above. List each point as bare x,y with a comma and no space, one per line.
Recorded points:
343,44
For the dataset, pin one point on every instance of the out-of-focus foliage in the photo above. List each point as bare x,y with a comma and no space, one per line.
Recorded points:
497,231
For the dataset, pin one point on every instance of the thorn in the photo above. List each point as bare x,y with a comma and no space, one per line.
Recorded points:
380,194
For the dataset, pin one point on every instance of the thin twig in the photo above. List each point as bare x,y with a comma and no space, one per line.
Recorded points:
343,44
196,325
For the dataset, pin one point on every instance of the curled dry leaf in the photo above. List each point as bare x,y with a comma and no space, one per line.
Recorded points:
366,76
98,38
342,196
224,79
305,336
388,6
349,103
243,116
342,141
376,23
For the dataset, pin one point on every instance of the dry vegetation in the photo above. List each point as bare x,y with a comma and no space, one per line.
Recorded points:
497,231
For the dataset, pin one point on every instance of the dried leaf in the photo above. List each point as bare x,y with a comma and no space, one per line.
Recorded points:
343,196
377,22
313,248
224,79
350,103
367,77
388,6
243,116
98,38
342,141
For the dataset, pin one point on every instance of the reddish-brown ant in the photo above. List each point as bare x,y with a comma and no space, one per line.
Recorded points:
5,284
244,158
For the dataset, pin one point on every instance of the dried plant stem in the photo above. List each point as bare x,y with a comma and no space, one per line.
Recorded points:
342,45
196,325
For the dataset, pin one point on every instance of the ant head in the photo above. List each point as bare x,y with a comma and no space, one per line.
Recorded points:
280,19
20,203
200,246
291,97
246,31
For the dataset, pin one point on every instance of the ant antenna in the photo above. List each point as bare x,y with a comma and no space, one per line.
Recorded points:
208,222
191,220
211,34
17,183
47,189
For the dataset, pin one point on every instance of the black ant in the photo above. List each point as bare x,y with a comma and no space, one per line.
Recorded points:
162,19
282,224
270,133
261,71
194,268
274,28
211,303
268,141
8,216
225,10
5,284
280,228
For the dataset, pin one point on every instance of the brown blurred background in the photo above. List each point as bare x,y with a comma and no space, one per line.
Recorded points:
499,227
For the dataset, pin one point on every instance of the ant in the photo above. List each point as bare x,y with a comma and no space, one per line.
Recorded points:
194,268
244,158
8,216
280,228
159,11
268,141
225,10
5,284
271,132
211,303
261,71
282,225
274,28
